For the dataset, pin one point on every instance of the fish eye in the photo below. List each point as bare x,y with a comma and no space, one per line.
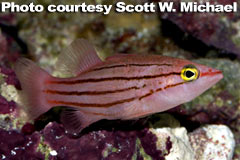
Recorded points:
189,73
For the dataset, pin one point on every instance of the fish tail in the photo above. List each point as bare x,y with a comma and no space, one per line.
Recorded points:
32,79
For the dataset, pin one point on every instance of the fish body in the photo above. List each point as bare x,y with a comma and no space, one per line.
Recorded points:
120,87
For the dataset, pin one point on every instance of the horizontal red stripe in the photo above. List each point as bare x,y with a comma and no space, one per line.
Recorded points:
69,82
76,93
210,73
127,65
106,105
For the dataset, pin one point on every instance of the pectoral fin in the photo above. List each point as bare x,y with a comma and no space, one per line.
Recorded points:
75,121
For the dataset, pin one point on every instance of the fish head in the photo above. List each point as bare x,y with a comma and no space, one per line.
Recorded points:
191,80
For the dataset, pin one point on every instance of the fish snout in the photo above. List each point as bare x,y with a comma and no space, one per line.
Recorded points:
214,74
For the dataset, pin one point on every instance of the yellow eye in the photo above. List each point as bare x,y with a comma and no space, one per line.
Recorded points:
189,73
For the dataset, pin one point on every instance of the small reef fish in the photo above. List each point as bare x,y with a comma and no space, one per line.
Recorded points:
123,86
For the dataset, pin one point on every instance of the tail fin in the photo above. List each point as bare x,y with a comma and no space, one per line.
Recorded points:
32,79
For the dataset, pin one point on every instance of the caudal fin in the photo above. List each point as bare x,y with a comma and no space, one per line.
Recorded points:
32,79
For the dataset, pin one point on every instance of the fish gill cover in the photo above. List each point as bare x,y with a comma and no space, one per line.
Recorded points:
210,39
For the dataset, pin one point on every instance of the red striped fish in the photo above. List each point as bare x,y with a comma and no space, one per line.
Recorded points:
121,87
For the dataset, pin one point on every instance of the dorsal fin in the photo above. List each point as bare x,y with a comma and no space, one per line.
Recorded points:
77,58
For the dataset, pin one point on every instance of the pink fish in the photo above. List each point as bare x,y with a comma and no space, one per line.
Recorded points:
120,87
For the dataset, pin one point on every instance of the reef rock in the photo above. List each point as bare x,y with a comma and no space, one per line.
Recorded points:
206,143
205,26
15,145
212,142
178,140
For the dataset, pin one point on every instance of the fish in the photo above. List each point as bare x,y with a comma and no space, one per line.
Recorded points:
123,86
